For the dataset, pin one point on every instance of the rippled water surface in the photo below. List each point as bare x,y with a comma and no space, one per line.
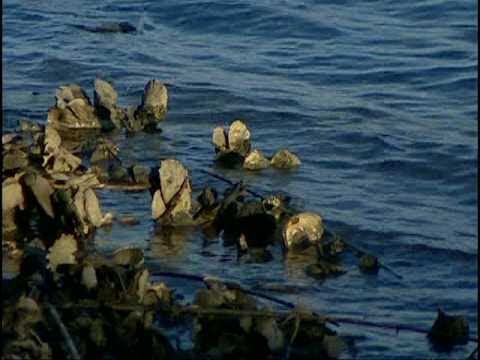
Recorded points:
378,98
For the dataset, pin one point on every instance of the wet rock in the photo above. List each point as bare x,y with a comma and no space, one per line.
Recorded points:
62,252
11,138
256,161
52,140
269,329
238,216
118,174
449,330
140,174
62,161
154,104
284,159
73,110
12,200
172,202
28,126
302,230
231,149
89,277
219,139
158,205
239,138
42,190
208,198
105,101
132,121
66,93
207,207
57,159
105,151
87,210
369,264
15,159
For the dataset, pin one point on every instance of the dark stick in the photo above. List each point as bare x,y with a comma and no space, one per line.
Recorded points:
362,252
202,279
354,247
64,331
253,193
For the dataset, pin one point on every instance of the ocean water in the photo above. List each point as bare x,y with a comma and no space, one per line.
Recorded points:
378,99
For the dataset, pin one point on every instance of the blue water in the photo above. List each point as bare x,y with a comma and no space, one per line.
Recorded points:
378,98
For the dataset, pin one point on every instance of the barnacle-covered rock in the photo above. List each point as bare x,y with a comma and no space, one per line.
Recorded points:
42,190
154,104
29,126
66,93
302,230
87,210
62,252
284,159
14,160
219,139
104,151
172,201
57,159
231,149
105,101
256,161
12,200
239,138
73,110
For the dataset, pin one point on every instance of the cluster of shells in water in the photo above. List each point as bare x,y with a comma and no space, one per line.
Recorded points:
233,147
50,212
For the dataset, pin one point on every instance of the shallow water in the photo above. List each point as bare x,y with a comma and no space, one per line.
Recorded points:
376,97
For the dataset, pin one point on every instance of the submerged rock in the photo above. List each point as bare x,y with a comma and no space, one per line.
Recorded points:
369,264
302,230
256,161
284,159
324,269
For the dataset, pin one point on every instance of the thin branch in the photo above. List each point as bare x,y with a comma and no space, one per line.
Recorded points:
72,349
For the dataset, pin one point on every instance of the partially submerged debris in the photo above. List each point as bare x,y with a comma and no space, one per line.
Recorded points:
302,231
449,330
369,264
284,159
256,161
